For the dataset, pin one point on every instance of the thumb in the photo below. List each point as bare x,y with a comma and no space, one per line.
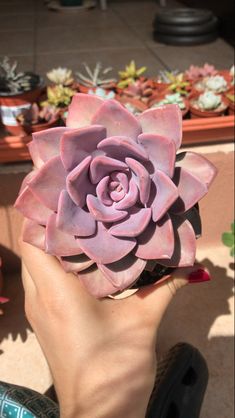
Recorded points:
157,297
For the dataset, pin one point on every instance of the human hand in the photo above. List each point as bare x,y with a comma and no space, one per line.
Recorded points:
101,352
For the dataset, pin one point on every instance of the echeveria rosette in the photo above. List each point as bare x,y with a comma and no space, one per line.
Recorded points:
109,191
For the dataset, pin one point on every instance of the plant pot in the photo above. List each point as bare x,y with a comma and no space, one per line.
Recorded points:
12,104
71,3
138,104
231,103
196,112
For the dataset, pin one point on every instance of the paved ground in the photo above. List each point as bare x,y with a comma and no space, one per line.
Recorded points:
40,40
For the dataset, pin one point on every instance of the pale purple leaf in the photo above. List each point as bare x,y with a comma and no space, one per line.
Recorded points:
59,243
48,183
77,144
161,151
134,225
117,120
157,240
165,121
82,109
104,248
78,182
72,219
102,212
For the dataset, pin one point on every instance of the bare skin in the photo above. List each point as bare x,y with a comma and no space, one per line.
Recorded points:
101,353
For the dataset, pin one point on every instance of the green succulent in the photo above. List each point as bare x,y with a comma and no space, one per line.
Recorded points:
58,96
178,84
130,74
228,239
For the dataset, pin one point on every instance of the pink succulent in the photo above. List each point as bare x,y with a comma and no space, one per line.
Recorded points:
194,72
109,191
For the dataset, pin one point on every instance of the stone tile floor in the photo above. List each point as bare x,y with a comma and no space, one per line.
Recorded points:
39,40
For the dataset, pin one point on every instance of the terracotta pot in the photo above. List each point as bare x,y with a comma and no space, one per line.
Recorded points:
226,74
42,126
231,104
138,104
198,113
13,104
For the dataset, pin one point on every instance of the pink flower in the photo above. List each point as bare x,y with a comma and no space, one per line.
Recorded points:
109,190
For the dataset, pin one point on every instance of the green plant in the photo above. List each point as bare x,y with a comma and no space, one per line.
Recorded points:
130,74
13,81
58,96
228,239
97,77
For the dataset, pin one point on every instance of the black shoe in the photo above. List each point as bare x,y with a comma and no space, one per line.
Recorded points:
180,384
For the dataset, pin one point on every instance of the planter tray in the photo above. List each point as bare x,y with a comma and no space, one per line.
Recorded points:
201,131
195,132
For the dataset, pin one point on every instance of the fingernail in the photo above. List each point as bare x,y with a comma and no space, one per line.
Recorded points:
199,276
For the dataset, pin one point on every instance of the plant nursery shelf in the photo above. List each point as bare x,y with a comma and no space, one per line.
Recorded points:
195,132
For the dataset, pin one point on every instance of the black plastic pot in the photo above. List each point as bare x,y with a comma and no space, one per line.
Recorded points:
71,3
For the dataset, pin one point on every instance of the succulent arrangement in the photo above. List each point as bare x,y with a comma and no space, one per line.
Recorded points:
228,239
58,96
175,98
12,81
97,77
109,191
130,75
62,76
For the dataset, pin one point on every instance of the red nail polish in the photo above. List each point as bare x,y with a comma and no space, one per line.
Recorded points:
199,276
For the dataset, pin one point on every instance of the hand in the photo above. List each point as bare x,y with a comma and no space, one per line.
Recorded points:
101,353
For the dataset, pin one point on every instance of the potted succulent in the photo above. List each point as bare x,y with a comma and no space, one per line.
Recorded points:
178,84
207,104
174,98
96,78
62,76
194,72
216,84
37,119
129,75
17,91
122,202
58,97
140,90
